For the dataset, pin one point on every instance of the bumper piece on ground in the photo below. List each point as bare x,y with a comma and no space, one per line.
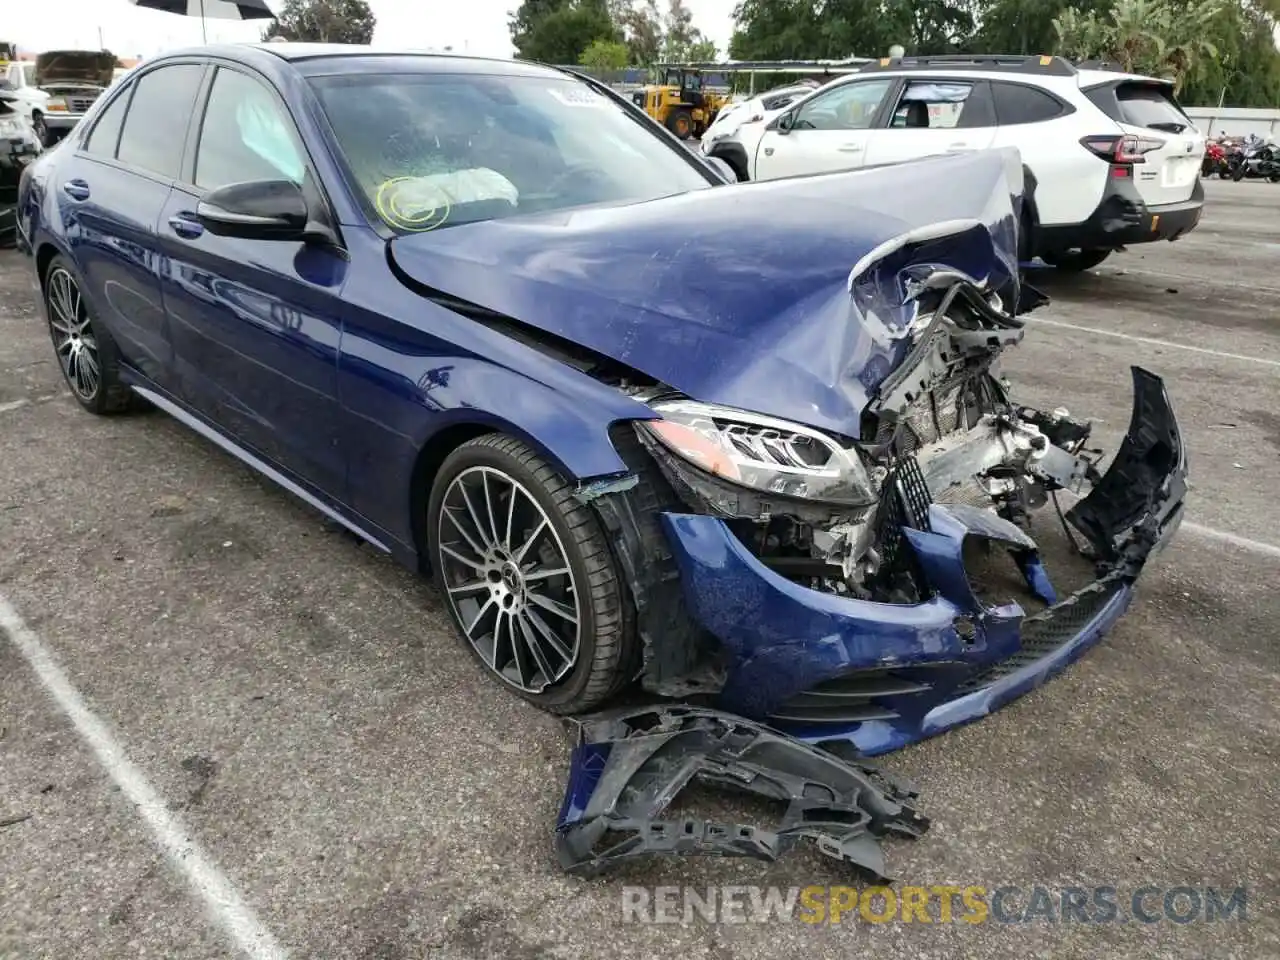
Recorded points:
879,676
629,765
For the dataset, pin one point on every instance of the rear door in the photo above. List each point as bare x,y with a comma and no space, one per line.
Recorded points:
829,131
934,115
1147,109
110,197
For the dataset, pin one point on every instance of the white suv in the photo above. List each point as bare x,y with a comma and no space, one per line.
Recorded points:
1112,157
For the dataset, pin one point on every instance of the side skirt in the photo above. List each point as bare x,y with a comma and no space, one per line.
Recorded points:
257,463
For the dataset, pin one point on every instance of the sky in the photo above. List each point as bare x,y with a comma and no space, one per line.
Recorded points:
474,26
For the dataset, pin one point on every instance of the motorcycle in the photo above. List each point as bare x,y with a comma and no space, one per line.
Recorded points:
1215,160
1258,159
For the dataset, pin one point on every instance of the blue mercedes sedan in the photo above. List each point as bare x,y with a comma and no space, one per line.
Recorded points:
641,424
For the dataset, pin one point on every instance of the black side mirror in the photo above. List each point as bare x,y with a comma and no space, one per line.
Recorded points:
785,122
257,210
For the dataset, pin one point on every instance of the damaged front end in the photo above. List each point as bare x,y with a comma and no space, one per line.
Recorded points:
826,584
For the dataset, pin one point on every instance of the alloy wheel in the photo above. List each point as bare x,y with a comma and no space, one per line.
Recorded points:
73,336
508,579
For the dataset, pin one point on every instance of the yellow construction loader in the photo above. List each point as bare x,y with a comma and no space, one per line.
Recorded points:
679,102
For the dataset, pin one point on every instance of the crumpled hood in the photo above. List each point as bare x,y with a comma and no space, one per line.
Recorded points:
744,295
93,67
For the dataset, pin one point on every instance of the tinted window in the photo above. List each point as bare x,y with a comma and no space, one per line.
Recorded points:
432,150
852,106
106,129
157,122
1151,106
246,135
1016,103
931,104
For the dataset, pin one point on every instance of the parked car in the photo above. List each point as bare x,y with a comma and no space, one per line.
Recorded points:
60,87
756,109
1114,159
18,147
638,422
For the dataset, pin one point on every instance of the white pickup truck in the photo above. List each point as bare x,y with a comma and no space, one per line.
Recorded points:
59,88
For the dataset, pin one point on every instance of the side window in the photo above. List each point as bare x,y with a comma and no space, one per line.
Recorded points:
1016,103
105,134
155,127
930,104
246,135
851,106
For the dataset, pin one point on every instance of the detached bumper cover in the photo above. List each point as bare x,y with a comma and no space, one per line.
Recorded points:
881,676
630,764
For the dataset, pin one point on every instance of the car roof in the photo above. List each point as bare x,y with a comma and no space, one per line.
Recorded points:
313,59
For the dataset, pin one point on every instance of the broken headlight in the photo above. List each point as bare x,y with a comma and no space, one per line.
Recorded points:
767,455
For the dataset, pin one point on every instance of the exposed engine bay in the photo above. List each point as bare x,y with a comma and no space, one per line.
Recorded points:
828,512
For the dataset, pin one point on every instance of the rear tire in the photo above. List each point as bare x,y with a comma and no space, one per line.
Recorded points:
1075,261
86,354
493,562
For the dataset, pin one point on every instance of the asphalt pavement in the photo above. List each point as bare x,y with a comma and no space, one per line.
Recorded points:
339,780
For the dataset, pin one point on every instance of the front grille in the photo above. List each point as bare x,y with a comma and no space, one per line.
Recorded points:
1050,629
80,104
848,699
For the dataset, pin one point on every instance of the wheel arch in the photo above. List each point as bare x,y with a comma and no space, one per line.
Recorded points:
566,457
44,256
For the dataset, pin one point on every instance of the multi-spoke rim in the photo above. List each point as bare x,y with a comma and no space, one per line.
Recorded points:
508,579
73,337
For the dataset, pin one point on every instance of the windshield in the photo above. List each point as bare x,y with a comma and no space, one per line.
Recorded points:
436,150
28,75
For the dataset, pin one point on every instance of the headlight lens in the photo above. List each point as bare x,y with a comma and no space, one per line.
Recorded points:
55,104
765,454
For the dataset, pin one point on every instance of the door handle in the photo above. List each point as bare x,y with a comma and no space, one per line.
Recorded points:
185,226
76,189
850,148
962,145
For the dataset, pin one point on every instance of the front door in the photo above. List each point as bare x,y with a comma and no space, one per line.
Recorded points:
829,131
256,323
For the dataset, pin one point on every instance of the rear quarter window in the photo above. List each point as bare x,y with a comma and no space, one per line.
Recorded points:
1017,103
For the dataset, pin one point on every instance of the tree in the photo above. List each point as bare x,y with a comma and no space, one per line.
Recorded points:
560,31
642,29
323,21
703,51
605,55
1156,37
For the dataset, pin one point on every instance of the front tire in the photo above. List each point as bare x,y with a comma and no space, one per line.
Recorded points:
528,577
680,122
88,357
1075,261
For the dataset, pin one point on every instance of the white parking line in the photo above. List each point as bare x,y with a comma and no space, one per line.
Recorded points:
13,405
1244,543
1153,341
1210,533
220,898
